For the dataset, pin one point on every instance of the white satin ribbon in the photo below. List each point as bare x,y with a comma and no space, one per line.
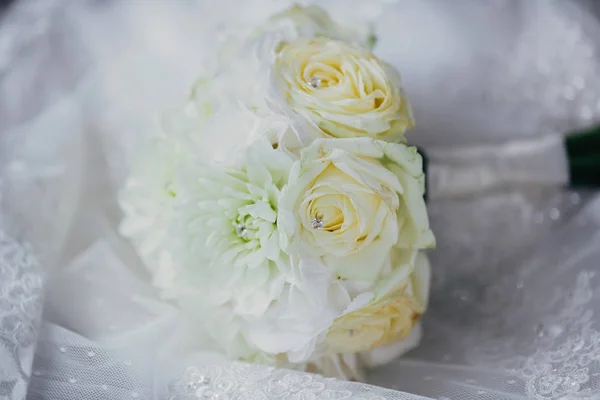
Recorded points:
462,171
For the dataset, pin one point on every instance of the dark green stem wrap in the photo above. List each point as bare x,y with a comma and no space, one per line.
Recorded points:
583,151
425,165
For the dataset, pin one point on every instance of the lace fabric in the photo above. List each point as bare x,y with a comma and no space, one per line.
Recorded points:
513,313
244,381
529,333
20,312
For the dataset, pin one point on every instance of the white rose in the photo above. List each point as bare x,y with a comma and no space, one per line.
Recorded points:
389,316
350,201
343,90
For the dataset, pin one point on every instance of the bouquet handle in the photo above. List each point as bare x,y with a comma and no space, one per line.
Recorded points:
583,151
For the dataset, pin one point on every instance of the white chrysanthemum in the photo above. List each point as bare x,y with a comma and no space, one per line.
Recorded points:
147,200
313,21
227,228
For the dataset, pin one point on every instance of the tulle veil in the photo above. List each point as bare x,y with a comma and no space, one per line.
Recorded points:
513,312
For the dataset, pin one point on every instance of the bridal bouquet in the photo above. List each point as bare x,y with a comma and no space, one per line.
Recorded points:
281,209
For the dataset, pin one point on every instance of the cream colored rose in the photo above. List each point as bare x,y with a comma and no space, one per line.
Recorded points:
350,201
345,91
386,319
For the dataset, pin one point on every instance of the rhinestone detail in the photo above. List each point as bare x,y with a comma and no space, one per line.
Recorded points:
241,231
315,82
317,223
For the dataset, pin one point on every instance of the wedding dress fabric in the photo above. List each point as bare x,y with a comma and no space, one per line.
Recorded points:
514,304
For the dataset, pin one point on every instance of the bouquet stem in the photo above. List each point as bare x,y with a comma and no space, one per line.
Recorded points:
583,150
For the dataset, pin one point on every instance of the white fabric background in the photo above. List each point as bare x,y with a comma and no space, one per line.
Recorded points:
515,296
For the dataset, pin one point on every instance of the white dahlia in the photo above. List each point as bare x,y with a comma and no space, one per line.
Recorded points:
226,234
